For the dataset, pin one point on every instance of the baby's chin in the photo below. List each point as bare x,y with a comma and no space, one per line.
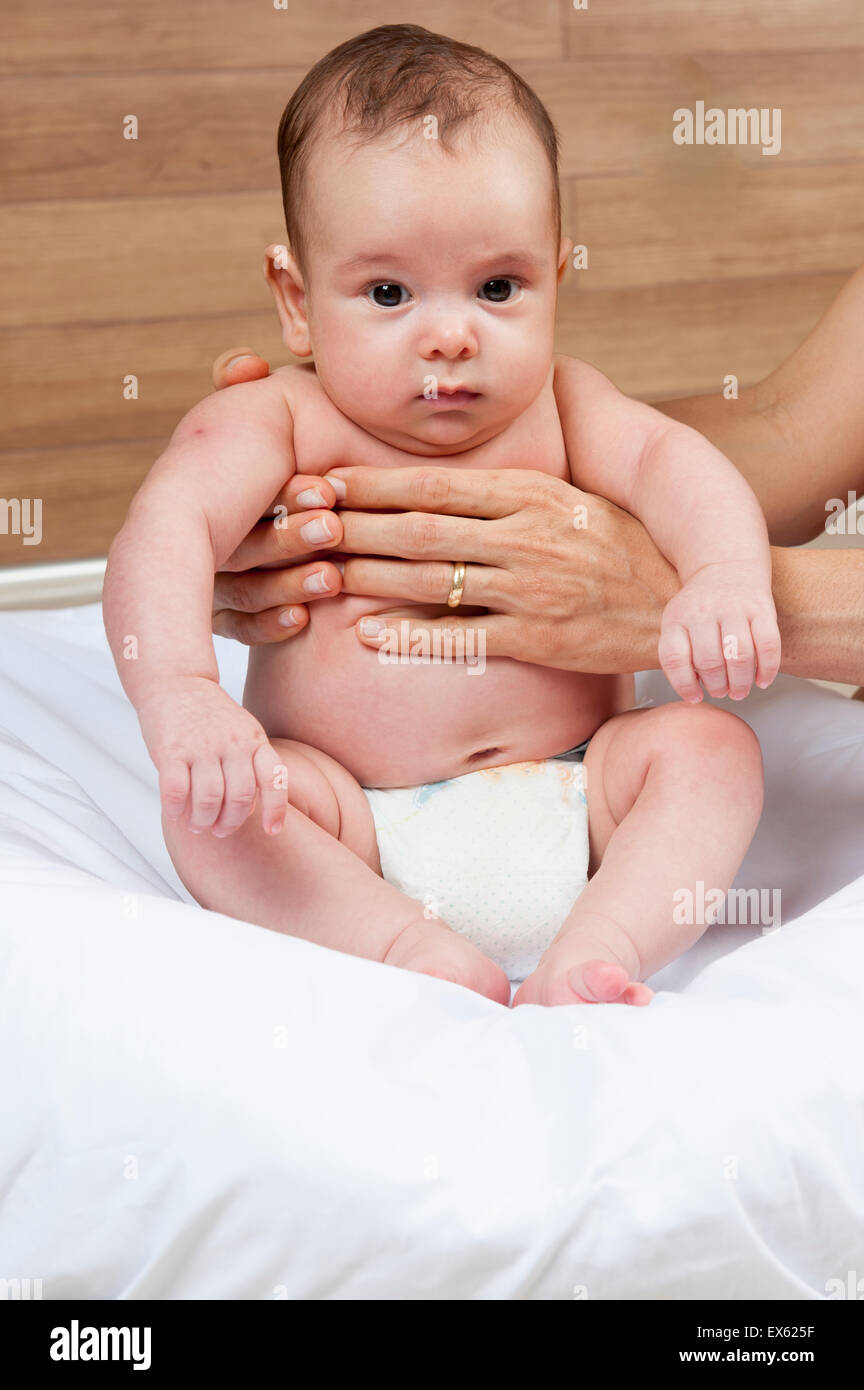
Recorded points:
432,434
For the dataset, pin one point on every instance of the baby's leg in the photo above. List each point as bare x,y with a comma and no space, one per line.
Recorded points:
320,879
674,796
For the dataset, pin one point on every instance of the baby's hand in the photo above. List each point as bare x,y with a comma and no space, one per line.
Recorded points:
212,756
719,624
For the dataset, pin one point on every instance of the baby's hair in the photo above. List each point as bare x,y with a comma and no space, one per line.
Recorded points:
395,75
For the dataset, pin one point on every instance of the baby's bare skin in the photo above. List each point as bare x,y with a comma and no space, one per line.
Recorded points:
672,794
411,724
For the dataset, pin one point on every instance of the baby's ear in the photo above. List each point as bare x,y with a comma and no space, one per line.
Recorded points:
289,293
564,252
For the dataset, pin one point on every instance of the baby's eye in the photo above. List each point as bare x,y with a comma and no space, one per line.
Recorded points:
386,294
499,291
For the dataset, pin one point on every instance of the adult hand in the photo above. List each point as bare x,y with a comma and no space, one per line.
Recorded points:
568,579
261,594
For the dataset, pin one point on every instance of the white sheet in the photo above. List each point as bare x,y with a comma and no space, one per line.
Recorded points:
195,1107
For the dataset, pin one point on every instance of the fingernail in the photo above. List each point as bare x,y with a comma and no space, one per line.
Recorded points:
243,357
311,497
275,829
316,530
316,583
337,484
287,618
372,627
340,565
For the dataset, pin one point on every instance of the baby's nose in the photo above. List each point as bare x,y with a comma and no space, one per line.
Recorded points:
450,338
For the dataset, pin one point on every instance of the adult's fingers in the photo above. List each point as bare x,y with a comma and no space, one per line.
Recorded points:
421,536
257,629
491,492
236,365
302,492
400,630
253,591
284,537
428,581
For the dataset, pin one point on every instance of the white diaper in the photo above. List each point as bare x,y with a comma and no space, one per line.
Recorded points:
501,855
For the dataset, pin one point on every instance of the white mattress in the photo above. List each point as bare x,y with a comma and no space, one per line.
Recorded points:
194,1107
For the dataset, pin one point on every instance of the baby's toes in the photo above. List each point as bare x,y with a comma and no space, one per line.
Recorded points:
599,982
637,994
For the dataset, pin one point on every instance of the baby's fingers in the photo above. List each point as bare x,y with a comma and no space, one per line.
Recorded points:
740,662
208,791
271,777
174,789
677,662
709,662
766,640
239,795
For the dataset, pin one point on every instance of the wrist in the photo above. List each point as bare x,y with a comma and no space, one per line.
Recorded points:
158,689
661,583
819,596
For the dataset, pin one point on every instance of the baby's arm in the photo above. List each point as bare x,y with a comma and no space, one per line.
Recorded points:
701,514
222,468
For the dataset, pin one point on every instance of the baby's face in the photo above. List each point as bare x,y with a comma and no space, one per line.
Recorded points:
427,269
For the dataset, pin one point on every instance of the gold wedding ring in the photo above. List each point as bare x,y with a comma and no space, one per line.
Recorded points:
457,584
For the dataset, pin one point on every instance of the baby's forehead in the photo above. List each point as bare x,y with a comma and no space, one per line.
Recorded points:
492,168
486,135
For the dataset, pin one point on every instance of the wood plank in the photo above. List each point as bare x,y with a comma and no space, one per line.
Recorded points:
85,492
717,217
615,114
662,27
102,36
65,382
134,259
198,133
214,133
679,340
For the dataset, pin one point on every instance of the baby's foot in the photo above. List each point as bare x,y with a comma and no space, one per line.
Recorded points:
561,979
432,948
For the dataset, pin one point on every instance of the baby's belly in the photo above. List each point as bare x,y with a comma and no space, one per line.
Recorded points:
396,723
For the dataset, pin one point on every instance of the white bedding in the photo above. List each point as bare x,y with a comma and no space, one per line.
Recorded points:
194,1107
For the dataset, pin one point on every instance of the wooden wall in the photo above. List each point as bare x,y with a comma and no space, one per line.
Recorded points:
144,257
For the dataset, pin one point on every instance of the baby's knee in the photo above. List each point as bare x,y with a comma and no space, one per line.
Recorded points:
716,742
329,795
711,730
309,788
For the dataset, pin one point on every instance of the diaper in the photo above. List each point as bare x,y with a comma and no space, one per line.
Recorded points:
501,855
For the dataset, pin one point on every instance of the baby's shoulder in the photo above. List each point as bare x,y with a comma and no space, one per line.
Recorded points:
571,374
323,436
298,382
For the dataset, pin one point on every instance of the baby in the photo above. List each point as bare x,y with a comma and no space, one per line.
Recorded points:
435,816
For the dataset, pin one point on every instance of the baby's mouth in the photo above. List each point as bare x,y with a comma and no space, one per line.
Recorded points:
451,400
